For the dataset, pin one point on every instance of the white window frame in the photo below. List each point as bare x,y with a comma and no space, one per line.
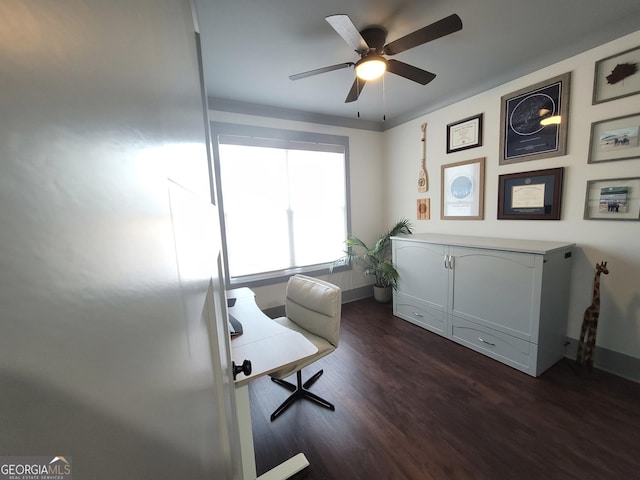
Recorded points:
274,137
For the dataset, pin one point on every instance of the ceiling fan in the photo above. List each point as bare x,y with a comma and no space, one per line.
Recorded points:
370,45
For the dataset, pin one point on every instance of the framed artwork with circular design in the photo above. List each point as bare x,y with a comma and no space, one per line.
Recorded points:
462,190
534,121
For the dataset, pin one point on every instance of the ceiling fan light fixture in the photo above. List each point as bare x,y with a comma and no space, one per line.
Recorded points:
371,67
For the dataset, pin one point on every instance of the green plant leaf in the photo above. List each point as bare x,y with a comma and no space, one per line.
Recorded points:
376,260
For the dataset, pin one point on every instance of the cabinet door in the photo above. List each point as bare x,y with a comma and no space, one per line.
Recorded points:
497,289
422,272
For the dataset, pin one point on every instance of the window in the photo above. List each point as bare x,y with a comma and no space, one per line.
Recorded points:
283,200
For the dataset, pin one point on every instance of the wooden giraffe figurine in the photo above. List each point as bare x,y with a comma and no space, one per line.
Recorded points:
587,345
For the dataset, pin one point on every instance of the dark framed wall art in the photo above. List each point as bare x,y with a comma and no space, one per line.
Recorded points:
464,134
534,121
532,195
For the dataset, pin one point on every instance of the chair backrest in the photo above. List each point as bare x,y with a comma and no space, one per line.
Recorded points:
315,305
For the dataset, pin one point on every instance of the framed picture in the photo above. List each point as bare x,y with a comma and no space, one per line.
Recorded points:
462,190
613,199
615,139
617,76
464,134
530,195
534,121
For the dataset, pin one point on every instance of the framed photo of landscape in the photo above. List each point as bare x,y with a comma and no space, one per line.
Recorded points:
617,76
534,121
530,195
613,199
615,139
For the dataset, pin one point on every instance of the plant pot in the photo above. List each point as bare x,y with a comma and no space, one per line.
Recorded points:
382,294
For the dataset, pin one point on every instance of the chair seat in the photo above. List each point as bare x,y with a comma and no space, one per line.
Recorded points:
323,346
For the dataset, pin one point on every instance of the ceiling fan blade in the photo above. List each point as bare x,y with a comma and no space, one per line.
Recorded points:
410,72
318,71
348,31
356,90
443,27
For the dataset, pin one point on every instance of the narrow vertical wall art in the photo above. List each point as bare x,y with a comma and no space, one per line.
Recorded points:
423,179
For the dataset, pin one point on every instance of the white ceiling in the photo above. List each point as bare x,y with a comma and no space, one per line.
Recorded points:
250,47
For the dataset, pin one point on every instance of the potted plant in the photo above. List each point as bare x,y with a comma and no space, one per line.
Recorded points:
376,260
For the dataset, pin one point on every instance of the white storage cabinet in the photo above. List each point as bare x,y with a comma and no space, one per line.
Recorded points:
505,298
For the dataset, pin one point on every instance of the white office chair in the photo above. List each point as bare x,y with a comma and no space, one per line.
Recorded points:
313,308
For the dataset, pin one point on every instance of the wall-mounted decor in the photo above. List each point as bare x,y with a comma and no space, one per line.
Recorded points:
617,76
462,190
615,139
423,209
423,179
534,121
613,199
464,134
530,195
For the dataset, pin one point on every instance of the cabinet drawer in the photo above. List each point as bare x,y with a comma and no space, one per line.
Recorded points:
510,350
422,315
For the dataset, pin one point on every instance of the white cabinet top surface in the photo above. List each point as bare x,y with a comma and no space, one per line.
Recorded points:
509,244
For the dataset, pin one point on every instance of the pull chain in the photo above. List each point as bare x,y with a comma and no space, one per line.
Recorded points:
384,99
358,92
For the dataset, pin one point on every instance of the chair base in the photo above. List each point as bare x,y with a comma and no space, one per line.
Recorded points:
300,391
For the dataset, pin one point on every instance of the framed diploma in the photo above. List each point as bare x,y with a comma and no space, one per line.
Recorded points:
462,190
534,121
464,134
530,195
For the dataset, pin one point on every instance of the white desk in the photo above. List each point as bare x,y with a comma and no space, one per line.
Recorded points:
269,346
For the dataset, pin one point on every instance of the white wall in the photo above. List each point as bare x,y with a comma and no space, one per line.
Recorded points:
612,241
106,347
367,185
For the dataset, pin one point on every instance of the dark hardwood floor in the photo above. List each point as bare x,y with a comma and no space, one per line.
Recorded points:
412,405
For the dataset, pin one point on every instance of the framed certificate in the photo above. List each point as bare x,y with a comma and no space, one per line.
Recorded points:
464,134
530,195
534,121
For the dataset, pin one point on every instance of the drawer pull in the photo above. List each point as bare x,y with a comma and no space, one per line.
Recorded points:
416,314
484,341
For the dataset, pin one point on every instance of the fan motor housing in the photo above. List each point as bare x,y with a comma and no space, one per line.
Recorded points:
375,36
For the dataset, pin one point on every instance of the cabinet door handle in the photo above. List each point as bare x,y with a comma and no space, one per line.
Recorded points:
484,341
448,261
416,314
